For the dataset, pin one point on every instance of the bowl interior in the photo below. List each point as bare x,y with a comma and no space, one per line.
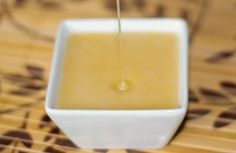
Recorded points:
176,26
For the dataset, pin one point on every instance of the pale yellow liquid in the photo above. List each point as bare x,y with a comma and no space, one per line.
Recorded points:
91,72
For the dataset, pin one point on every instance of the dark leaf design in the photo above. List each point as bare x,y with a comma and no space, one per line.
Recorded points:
2,147
54,130
48,137
34,86
184,14
35,71
45,121
229,86
111,4
160,11
225,118
5,142
214,96
192,96
17,78
135,151
24,124
140,3
65,142
19,151
223,55
196,113
22,92
49,4
20,3
50,149
20,135
101,150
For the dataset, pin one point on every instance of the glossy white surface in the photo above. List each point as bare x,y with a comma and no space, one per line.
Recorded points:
118,128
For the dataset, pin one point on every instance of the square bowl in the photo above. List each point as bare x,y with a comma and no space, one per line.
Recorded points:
119,128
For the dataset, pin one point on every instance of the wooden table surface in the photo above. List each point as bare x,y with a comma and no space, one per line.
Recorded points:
27,29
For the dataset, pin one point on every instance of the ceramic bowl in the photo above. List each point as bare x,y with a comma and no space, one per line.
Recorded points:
118,128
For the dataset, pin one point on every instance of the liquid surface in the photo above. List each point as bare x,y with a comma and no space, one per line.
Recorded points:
91,72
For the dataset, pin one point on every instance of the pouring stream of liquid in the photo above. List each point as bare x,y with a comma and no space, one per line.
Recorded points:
123,84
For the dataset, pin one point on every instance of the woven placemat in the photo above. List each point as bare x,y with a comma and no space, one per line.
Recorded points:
27,29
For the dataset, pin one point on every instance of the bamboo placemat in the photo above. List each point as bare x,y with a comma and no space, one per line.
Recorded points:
27,29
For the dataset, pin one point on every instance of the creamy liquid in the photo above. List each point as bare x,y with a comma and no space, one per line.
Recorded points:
91,72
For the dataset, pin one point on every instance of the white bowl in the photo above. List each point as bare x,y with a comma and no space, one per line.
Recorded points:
118,128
